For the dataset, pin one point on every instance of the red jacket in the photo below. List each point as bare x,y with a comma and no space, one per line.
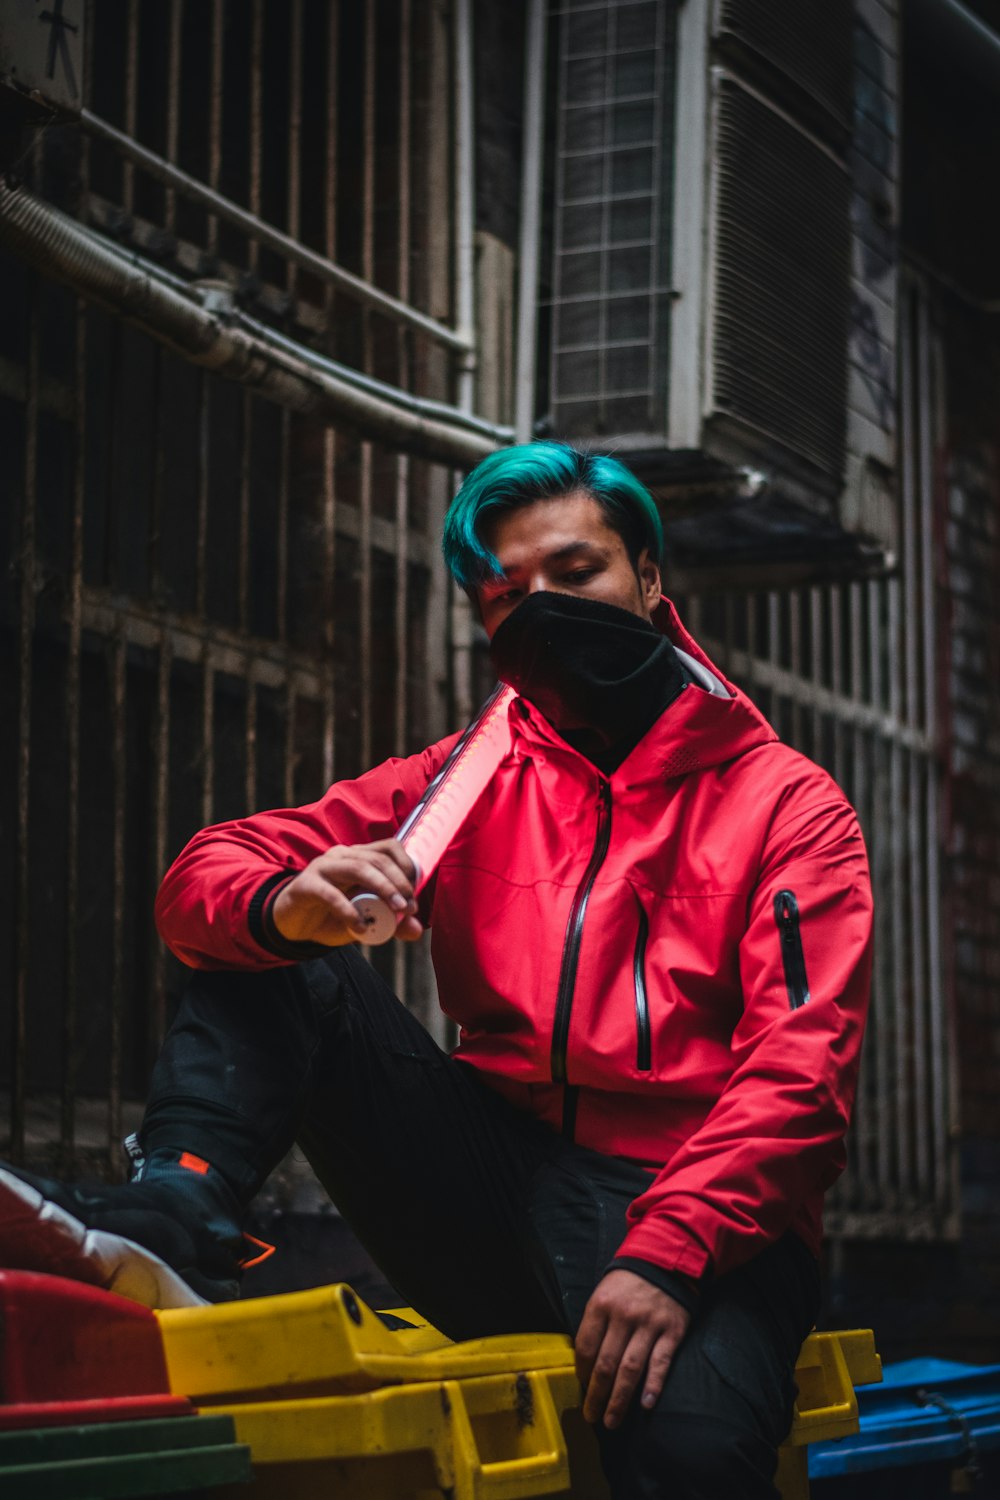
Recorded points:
686,944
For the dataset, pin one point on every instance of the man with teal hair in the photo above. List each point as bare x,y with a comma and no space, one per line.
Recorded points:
653,932
514,477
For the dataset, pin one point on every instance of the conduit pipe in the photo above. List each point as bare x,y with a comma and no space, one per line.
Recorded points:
465,196
277,369
463,72
531,218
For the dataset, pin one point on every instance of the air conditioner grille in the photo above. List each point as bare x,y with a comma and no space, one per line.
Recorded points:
780,277
809,41
612,218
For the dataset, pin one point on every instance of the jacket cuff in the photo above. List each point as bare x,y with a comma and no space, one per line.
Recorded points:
261,923
683,1289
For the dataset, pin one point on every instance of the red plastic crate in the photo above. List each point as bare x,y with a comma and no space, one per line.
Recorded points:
72,1353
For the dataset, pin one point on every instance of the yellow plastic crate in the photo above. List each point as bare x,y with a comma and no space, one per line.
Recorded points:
331,1401
492,1437
327,1341
829,1366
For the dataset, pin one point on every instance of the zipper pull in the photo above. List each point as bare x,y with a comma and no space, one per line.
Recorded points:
793,960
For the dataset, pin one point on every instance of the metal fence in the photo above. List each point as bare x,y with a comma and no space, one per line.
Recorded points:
219,603
216,603
847,674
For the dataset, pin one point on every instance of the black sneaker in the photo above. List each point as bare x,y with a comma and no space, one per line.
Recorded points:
170,1240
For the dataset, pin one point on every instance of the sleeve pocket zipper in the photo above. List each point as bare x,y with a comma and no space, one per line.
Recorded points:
643,1050
786,914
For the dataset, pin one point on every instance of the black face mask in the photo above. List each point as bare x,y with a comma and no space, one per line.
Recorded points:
600,675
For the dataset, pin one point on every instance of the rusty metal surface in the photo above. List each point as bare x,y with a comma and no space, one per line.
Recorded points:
25,640
846,673
187,575
222,566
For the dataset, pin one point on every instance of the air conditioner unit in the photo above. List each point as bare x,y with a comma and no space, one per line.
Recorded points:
710,318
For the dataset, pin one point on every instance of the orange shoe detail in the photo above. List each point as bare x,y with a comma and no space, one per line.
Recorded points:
266,1251
193,1163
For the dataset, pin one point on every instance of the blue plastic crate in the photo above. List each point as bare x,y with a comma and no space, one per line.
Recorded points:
925,1412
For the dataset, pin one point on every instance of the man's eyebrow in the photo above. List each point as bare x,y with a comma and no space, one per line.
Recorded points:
496,583
570,549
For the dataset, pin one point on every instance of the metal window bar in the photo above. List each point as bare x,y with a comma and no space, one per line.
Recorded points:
850,681
204,552
261,233
329,522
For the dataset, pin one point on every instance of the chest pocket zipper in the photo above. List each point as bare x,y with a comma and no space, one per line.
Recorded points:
643,1049
786,914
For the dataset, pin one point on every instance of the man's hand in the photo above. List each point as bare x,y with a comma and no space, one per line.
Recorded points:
315,907
629,1332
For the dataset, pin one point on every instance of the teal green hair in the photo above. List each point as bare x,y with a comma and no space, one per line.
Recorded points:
513,477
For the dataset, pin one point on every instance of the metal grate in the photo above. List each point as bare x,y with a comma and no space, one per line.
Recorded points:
610,300
807,41
779,249
217,604
847,674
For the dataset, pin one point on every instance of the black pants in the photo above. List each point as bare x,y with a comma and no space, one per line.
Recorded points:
483,1219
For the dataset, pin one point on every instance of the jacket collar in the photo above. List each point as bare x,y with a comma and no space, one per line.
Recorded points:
710,722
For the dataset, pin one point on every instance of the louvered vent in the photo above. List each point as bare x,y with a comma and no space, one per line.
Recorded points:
612,218
808,41
780,273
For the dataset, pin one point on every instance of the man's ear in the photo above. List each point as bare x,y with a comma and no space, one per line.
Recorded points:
650,582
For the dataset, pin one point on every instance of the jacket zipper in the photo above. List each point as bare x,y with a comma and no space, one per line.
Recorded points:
786,914
643,1049
574,935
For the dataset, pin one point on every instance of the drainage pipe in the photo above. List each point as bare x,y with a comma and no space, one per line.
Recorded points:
465,196
463,64
531,216
208,336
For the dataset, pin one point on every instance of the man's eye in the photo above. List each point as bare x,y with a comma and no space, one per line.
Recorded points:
580,575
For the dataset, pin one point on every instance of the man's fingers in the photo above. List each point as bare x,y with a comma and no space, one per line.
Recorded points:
631,1368
627,1338
605,1371
336,915
659,1364
311,909
395,851
316,905
390,871
588,1341
369,872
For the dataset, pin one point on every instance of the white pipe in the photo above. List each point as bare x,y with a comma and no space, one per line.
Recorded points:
689,266
60,247
462,623
531,215
465,198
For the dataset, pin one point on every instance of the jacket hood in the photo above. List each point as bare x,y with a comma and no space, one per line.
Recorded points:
711,721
